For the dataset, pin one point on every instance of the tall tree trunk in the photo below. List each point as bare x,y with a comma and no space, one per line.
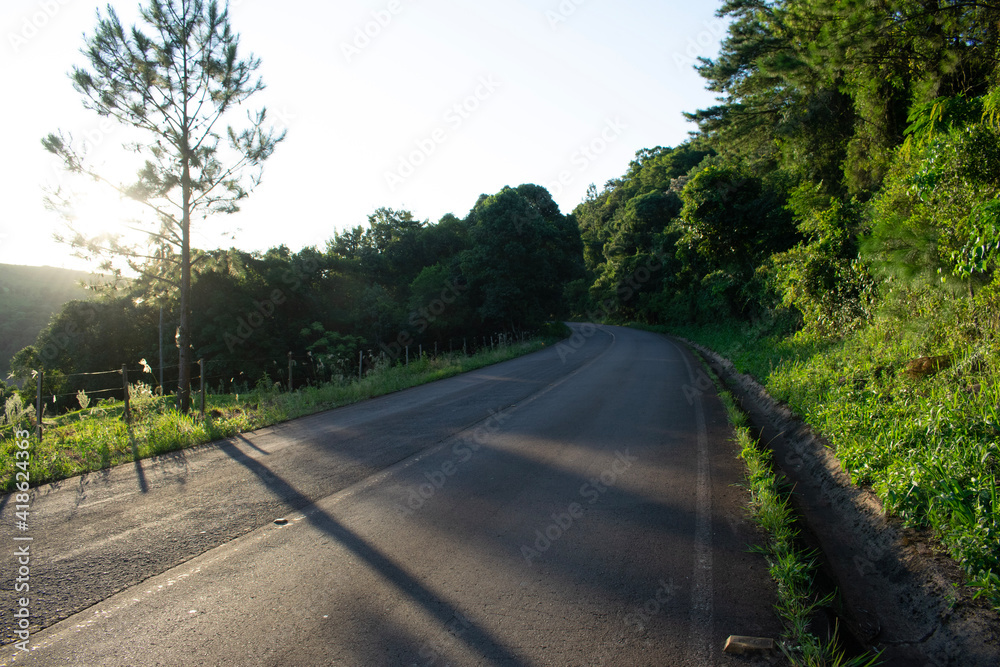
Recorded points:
184,325
184,328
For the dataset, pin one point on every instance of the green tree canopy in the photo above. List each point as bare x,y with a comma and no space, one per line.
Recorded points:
522,254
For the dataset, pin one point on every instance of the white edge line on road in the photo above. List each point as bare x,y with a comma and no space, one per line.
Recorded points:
701,589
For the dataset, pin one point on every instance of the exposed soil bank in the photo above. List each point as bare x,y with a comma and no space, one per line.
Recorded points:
898,589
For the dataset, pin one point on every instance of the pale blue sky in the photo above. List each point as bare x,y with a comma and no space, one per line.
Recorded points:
556,92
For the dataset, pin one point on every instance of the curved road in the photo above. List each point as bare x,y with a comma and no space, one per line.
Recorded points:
573,507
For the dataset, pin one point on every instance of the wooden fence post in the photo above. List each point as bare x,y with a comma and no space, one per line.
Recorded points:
38,406
128,407
201,368
162,392
289,371
361,364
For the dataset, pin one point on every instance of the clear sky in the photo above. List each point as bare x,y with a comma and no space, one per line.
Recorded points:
420,105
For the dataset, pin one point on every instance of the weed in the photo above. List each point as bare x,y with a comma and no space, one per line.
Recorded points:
929,447
792,568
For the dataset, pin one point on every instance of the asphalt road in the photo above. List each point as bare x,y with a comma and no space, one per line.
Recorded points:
574,507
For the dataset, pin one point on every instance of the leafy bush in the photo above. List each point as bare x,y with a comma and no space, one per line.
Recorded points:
822,276
554,331
938,219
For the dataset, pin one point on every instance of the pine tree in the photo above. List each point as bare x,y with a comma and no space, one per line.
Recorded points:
175,84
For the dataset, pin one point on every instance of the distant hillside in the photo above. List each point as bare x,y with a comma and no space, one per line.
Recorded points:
29,296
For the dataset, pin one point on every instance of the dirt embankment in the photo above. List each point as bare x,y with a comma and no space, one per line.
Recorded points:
897,589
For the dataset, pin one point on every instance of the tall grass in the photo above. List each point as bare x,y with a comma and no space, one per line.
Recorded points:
928,447
792,568
98,437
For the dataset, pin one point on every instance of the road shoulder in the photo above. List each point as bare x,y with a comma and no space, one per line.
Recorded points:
898,591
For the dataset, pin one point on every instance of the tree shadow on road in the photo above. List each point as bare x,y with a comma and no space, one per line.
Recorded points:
478,639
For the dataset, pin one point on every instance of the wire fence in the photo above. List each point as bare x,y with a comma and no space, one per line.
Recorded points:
99,391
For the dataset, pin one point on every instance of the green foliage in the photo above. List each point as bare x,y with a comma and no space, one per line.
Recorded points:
628,246
733,220
937,219
522,252
439,303
792,568
15,412
175,80
825,89
6,393
553,332
399,283
842,221
822,277
927,447
928,119
730,224
330,353
854,150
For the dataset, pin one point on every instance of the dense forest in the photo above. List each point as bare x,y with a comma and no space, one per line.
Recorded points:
850,168
383,291
851,164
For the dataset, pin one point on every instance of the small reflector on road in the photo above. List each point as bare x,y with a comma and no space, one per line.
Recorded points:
281,522
742,645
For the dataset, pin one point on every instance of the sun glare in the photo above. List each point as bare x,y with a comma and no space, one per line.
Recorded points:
99,210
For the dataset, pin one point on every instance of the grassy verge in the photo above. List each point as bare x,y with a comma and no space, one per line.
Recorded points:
98,438
927,445
792,568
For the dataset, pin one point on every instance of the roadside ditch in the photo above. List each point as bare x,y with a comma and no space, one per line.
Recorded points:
898,593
